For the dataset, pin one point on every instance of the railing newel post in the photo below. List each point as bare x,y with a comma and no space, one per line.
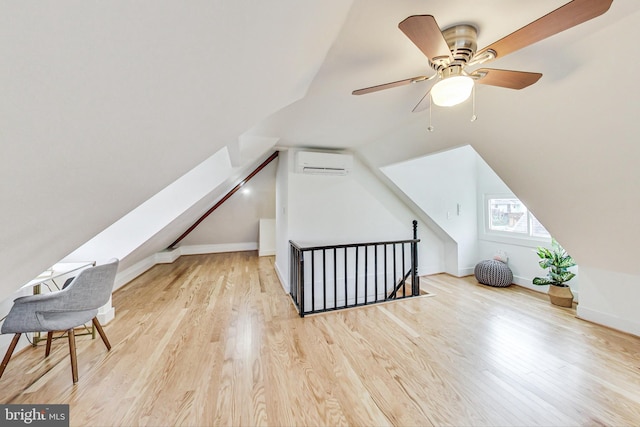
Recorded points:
335,278
313,280
415,279
301,282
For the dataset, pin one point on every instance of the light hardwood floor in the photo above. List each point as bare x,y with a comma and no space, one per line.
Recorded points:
214,340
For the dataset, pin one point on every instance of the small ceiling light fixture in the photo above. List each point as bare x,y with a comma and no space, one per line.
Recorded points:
452,90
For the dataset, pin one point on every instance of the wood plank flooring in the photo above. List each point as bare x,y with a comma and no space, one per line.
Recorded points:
213,340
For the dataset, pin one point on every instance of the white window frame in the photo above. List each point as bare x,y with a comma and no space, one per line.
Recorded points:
521,239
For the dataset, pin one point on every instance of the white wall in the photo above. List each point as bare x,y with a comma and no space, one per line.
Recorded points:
523,260
237,220
570,152
267,236
443,186
282,217
347,209
610,298
438,183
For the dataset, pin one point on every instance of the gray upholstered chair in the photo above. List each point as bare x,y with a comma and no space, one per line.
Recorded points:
63,310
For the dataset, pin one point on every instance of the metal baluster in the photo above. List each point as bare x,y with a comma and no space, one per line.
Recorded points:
313,281
301,283
415,280
375,267
356,300
295,280
346,294
395,275
291,270
386,278
335,278
366,271
404,263
324,279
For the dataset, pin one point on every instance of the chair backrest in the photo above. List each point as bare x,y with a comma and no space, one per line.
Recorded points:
92,287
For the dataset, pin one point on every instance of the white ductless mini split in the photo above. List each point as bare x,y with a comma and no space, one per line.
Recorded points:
323,163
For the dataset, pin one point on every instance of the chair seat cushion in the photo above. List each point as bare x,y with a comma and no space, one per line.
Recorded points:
493,273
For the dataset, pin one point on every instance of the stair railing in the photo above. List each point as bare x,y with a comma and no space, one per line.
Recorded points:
335,277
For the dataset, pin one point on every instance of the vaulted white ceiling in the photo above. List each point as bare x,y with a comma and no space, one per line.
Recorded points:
104,104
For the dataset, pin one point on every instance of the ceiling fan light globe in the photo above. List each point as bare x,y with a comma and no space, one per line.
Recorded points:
452,91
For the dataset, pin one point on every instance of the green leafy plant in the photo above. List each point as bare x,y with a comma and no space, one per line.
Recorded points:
557,263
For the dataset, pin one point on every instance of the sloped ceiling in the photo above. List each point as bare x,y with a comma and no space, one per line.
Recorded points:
567,145
103,104
371,50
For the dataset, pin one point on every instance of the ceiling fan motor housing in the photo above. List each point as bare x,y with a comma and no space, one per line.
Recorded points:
461,40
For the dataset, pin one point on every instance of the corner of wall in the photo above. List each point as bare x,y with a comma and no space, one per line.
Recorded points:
284,283
463,272
106,314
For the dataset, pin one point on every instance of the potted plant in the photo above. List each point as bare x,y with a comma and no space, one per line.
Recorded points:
557,263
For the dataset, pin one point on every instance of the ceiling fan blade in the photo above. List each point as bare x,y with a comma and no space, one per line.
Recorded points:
571,14
505,78
388,85
423,104
424,32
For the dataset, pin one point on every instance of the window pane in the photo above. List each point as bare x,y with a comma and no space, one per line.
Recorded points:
537,229
508,215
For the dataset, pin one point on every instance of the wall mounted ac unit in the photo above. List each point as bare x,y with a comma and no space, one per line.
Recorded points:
321,163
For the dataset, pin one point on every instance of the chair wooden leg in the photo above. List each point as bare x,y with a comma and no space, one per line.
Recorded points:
47,350
72,354
98,327
7,356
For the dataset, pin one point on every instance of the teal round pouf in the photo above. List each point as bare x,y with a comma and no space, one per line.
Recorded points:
493,273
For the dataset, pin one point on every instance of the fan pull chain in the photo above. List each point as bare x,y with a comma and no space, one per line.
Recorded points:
430,128
473,104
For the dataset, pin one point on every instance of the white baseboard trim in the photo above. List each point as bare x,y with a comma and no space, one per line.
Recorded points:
608,320
215,249
285,284
429,270
526,282
127,275
462,272
266,253
168,256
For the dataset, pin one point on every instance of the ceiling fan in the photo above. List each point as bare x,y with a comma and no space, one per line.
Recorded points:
453,49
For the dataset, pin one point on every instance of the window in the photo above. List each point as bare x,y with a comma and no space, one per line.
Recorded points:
509,216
